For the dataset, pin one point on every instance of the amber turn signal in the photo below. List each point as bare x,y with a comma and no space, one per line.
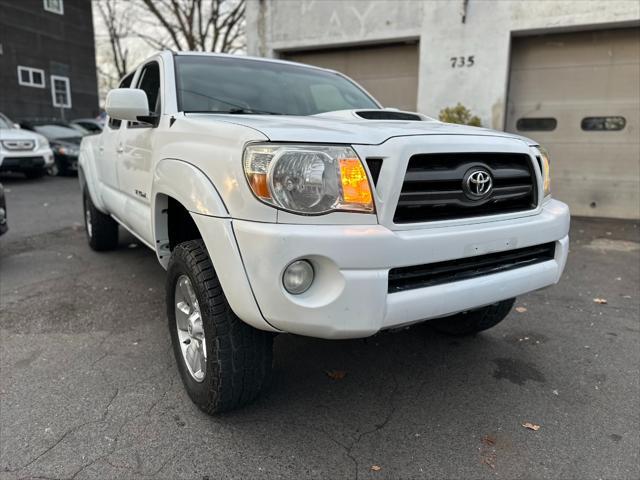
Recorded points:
355,184
258,182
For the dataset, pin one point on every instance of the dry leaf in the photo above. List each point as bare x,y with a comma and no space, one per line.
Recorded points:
336,374
600,301
376,468
489,440
531,426
521,309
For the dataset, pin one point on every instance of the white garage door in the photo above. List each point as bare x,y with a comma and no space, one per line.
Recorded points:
388,72
578,94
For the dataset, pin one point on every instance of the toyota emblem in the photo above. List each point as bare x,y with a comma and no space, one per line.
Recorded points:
477,184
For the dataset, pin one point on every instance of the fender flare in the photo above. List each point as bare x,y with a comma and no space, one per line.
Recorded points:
196,193
87,175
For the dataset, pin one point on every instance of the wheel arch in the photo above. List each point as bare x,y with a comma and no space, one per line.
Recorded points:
175,202
190,209
87,174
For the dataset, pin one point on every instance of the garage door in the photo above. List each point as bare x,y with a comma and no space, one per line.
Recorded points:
578,94
388,72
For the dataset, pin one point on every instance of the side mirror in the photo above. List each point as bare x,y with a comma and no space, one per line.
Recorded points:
127,104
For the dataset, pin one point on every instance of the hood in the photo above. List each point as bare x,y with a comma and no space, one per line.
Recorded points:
19,134
347,126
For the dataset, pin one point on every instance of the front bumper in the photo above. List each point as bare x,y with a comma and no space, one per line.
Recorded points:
68,163
349,297
21,161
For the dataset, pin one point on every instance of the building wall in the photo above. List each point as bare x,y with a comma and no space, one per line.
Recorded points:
445,29
58,44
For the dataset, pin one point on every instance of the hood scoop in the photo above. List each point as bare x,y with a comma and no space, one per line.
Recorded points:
388,115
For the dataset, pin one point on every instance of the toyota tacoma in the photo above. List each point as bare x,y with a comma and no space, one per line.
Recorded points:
282,197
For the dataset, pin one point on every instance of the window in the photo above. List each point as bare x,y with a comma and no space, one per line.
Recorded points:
30,77
536,124
149,82
603,124
54,6
60,91
124,83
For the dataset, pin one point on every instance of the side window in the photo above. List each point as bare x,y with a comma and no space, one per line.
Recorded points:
149,81
124,83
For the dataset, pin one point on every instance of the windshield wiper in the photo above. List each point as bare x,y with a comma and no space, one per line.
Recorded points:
237,111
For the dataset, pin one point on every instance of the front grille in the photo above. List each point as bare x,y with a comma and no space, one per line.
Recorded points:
19,144
21,162
433,186
420,276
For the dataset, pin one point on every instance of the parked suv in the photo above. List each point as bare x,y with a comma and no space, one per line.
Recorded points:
23,151
64,139
282,198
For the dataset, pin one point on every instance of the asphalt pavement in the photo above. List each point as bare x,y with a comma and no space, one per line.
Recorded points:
89,387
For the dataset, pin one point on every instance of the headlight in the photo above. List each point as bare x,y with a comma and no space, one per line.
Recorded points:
71,151
308,179
545,166
43,143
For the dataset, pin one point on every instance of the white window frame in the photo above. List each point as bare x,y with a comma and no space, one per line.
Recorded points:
53,91
30,70
49,8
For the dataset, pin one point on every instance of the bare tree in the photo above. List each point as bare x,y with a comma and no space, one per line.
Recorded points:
213,25
117,22
204,25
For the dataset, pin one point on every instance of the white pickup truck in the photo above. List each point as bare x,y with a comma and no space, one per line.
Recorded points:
283,198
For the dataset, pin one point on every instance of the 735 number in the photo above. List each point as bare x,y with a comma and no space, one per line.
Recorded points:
460,62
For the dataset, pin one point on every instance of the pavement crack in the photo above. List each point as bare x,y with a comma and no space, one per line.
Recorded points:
377,427
106,409
66,434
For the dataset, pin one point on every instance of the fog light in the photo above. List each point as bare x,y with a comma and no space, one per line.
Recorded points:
297,277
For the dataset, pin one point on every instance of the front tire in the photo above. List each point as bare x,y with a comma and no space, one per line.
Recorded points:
224,363
473,321
101,229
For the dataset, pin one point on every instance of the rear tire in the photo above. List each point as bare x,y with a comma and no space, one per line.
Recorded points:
101,229
473,321
224,363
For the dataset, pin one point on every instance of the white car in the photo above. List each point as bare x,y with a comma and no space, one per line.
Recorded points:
282,198
23,151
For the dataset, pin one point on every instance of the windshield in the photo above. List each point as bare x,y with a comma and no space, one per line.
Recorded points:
4,123
83,131
56,131
237,85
